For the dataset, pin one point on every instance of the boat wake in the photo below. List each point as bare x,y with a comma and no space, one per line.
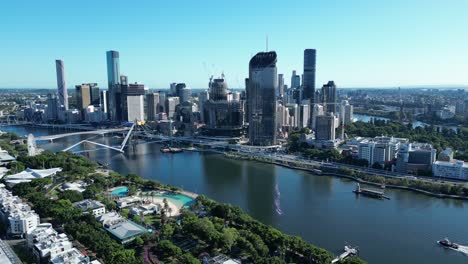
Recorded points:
277,200
463,249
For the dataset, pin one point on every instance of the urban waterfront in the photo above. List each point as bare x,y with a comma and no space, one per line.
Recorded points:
321,209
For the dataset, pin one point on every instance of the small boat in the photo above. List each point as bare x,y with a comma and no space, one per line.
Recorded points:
448,244
165,150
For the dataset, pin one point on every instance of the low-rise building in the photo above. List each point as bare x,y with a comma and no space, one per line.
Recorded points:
5,158
29,175
93,207
18,216
128,201
120,228
72,256
456,169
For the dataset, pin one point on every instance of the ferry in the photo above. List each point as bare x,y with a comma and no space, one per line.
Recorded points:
447,244
370,192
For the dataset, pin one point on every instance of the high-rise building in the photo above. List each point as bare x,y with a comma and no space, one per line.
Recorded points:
295,80
202,98
305,115
132,100
325,127
280,85
346,112
318,111
113,75
52,107
178,89
329,97
83,98
152,99
95,97
162,102
170,106
172,89
262,87
185,94
223,112
308,81
61,84
104,101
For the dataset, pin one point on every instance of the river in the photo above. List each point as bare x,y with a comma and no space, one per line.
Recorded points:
321,209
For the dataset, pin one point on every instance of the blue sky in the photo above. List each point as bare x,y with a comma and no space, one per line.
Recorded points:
360,43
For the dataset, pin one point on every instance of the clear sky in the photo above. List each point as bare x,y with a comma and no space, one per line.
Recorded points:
360,43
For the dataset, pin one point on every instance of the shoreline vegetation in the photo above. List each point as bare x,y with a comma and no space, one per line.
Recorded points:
433,189
207,227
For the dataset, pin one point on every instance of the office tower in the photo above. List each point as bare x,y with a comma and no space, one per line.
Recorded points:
346,112
104,101
295,80
83,98
132,100
223,112
52,107
305,115
202,98
152,100
280,85
178,89
61,84
185,94
308,80
325,127
247,111
94,89
218,89
172,89
329,97
262,87
113,75
293,115
415,157
162,102
170,105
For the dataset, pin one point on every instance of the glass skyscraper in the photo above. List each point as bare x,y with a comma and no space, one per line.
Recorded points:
261,100
308,81
61,84
113,75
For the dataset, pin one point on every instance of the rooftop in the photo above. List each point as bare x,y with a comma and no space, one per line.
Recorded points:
87,205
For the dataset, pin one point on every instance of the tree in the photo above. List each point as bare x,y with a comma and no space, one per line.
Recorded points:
167,231
166,249
71,195
377,166
187,258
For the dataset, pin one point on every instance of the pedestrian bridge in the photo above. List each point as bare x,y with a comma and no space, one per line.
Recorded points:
91,132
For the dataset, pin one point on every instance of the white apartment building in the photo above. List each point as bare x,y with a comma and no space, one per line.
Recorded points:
457,169
19,216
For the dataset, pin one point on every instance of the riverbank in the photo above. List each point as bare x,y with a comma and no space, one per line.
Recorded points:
313,169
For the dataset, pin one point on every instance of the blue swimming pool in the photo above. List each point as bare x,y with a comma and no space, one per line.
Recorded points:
120,191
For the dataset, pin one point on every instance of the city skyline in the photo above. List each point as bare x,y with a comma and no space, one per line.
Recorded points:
359,47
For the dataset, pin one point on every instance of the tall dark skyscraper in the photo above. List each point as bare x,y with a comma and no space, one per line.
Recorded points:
329,97
308,79
61,84
113,75
95,97
261,100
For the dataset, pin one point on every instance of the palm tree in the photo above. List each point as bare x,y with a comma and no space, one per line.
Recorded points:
170,211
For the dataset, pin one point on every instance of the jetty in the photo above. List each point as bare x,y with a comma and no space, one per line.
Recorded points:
370,192
348,252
